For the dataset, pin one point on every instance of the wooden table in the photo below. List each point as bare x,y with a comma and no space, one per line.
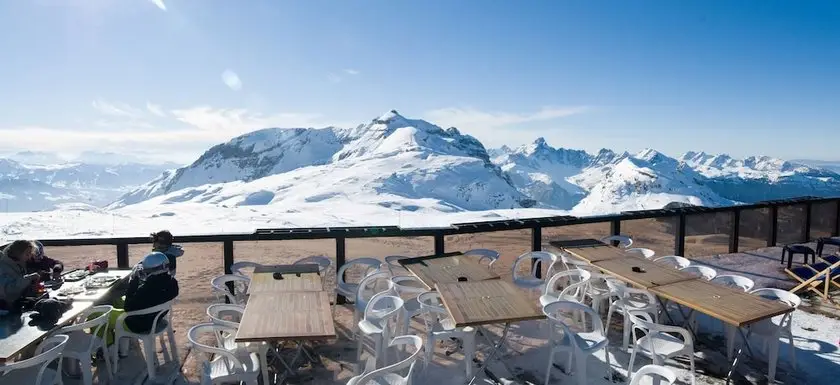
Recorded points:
286,316
591,250
654,274
98,294
487,302
727,304
266,283
301,268
447,268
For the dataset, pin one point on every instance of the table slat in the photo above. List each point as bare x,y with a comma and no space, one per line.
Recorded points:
447,269
655,274
487,302
284,316
265,283
595,252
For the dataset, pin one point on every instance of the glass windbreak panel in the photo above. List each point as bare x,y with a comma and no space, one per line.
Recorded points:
509,243
589,230
823,219
707,234
78,257
286,252
379,248
656,234
791,227
753,229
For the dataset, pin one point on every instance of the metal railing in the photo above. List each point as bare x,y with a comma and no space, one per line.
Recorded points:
341,234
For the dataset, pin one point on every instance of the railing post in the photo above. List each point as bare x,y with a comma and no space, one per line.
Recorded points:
773,226
807,232
679,236
340,260
440,246
122,256
836,231
536,245
227,254
615,229
735,231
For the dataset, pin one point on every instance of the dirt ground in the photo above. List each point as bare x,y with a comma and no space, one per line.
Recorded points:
203,261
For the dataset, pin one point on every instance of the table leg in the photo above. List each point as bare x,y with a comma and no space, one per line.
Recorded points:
664,310
746,339
491,356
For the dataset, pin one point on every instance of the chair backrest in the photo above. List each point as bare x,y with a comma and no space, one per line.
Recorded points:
783,296
623,240
626,293
97,325
408,285
239,268
642,321
374,284
654,372
409,362
383,307
369,266
162,312
393,264
735,281
563,313
240,287
323,262
432,309
674,261
575,288
704,272
647,253
598,283
547,259
486,255
217,312
47,352
233,364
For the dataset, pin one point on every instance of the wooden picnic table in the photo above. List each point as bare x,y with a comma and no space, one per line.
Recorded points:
487,302
727,304
590,250
286,316
267,283
447,268
653,274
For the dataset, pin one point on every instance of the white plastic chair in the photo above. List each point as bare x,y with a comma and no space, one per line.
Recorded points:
239,268
598,291
217,312
735,282
485,255
573,291
408,288
658,343
226,366
571,262
440,326
578,344
647,253
323,263
657,375
162,324
240,288
370,286
629,299
382,309
81,346
623,240
705,272
531,281
393,264
348,289
771,330
389,374
36,368
674,261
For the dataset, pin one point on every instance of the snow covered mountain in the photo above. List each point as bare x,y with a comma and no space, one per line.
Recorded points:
34,187
392,162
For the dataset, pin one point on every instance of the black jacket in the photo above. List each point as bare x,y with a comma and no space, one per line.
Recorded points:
156,290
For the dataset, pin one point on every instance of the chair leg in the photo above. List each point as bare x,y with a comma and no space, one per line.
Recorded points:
550,364
580,362
772,359
607,357
626,332
164,349
87,370
115,354
632,361
469,352
792,351
359,347
150,356
693,373
173,347
107,359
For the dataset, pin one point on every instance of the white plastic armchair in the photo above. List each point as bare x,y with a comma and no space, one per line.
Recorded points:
485,256
579,342
240,288
36,368
226,366
382,311
736,282
674,261
217,312
654,372
647,253
704,272
576,280
348,289
408,288
598,291
531,281
370,286
440,326
623,240
240,268
389,374
629,299
392,262
660,342
773,329
161,325
82,345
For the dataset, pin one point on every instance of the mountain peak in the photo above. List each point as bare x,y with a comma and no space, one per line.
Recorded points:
389,117
540,142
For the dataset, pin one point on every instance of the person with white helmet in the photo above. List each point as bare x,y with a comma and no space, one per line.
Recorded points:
150,285
40,263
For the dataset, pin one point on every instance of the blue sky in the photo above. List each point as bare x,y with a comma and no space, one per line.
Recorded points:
166,79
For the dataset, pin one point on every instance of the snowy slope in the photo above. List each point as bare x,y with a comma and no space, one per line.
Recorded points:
391,161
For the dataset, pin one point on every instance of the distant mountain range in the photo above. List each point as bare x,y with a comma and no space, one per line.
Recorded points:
413,165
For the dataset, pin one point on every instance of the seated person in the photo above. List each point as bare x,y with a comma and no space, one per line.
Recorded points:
40,263
150,285
14,281
162,242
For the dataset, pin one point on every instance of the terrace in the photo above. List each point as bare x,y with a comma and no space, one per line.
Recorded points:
744,240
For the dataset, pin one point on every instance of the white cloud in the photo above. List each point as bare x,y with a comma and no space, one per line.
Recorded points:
116,109
231,79
155,109
232,122
351,71
159,4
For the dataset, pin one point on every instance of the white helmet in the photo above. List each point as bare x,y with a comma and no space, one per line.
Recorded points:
153,264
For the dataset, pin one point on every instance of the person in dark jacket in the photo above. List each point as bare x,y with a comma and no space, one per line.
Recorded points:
149,286
162,241
40,263
14,280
